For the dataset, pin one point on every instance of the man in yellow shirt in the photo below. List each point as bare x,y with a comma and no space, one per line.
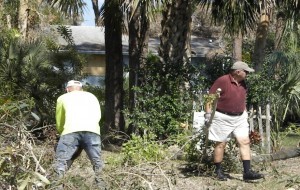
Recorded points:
77,121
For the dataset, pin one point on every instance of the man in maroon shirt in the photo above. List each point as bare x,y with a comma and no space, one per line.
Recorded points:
231,118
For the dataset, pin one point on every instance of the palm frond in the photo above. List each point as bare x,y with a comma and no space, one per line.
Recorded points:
68,7
235,15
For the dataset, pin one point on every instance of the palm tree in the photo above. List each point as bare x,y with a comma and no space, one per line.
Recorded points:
238,18
70,8
138,48
140,14
114,93
97,12
261,33
241,16
287,10
23,18
287,14
27,70
176,27
17,15
8,10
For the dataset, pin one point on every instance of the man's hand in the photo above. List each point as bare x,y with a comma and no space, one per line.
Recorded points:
207,117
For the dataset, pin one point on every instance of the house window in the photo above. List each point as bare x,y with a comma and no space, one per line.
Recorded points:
94,80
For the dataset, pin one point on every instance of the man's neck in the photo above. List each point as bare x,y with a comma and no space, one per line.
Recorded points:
236,79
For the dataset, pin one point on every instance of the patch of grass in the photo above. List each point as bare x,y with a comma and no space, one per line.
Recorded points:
291,140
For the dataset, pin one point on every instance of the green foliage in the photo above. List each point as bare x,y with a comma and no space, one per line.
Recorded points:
37,69
163,100
195,148
13,111
288,137
260,86
277,84
215,68
9,8
291,139
204,163
285,101
142,149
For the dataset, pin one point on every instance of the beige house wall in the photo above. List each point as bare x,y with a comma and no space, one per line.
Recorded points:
95,65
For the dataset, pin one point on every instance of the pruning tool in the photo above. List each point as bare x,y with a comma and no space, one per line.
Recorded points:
208,124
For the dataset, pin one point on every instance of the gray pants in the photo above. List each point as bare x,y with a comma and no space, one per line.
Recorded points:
70,146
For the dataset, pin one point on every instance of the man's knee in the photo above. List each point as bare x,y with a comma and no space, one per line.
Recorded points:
243,141
220,145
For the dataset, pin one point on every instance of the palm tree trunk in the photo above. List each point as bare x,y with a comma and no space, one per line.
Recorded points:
237,47
23,18
114,93
174,41
96,12
260,42
8,21
138,49
280,27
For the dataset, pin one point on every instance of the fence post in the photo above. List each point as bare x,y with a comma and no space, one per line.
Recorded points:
251,113
260,125
268,128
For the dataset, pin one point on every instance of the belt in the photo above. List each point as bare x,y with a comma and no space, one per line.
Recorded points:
230,113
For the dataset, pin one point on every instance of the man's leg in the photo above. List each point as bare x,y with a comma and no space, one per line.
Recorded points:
244,145
66,147
92,146
74,157
219,151
218,158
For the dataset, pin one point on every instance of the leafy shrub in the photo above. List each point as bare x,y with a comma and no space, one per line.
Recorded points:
215,68
142,149
164,99
36,69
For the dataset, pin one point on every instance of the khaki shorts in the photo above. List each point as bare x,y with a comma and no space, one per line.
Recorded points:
223,126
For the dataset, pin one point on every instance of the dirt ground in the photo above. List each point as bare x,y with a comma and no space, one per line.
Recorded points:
172,175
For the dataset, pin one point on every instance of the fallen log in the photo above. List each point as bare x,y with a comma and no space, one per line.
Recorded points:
279,155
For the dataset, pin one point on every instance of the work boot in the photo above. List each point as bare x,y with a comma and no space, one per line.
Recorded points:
220,175
58,181
101,184
251,175
59,187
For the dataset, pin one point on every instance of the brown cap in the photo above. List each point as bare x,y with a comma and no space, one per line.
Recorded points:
239,65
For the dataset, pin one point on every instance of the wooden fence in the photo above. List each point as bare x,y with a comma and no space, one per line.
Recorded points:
263,119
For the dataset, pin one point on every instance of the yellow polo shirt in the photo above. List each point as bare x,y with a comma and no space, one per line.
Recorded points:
77,111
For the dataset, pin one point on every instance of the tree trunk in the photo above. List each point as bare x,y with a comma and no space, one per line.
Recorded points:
138,49
8,20
176,26
280,155
96,12
280,28
260,42
77,20
23,18
114,93
237,47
